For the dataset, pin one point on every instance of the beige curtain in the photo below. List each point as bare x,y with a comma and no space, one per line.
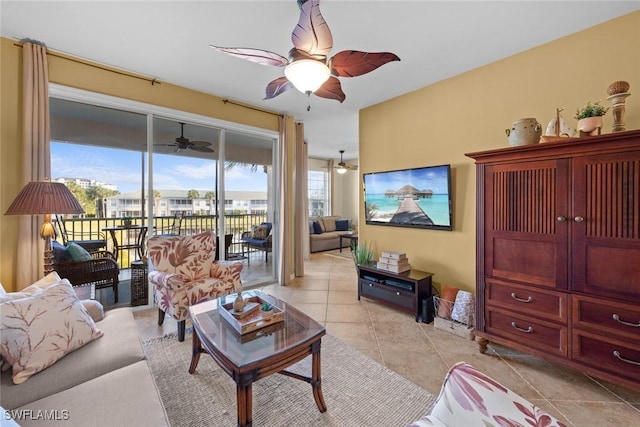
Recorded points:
301,203
36,157
283,215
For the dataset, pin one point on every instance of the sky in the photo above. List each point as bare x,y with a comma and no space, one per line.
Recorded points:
123,168
434,178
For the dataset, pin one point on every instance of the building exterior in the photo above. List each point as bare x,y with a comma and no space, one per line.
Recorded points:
174,201
84,183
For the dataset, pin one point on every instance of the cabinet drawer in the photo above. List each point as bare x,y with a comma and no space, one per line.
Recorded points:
526,299
607,354
607,317
397,297
535,333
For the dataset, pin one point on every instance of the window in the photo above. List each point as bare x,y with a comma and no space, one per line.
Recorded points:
318,193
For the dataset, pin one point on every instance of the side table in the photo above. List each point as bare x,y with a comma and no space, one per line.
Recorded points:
139,283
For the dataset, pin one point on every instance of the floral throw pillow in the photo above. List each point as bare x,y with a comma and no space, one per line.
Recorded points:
48,280
260,232
39,330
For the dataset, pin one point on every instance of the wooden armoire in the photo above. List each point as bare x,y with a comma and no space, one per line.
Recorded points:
558,252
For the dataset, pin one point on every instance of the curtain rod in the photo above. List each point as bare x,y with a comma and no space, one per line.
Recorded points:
153,80
227,101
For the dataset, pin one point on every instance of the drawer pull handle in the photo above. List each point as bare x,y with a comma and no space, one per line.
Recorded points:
515,297
633,325
398,293
370,284
526,331
616,353
561,219
578,219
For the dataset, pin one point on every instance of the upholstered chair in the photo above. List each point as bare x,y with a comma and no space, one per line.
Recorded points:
183,273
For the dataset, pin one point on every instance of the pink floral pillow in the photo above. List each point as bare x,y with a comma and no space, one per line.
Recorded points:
39,330
260,232
189,256
48,280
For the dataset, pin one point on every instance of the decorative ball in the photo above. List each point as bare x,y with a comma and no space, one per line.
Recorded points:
618,87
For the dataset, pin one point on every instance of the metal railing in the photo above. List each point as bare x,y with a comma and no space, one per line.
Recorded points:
235,224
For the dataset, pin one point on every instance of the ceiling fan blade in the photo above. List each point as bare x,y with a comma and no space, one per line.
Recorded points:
259,56
351,167
277,86
331,89
200,149
200,143
312,34
351,63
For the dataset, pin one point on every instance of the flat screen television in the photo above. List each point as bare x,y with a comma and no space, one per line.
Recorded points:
418,197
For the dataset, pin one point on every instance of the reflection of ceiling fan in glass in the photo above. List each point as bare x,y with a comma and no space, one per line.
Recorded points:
183,143
343,167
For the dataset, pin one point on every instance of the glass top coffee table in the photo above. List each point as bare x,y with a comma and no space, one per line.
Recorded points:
255,355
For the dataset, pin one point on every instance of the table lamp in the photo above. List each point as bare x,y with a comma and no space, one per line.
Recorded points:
45,198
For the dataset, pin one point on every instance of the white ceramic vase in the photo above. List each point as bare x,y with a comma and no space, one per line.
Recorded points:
590,125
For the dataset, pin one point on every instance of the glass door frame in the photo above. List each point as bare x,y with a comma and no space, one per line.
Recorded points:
152,111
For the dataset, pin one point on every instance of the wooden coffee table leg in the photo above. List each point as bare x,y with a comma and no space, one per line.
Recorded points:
315,377
243,392
196,349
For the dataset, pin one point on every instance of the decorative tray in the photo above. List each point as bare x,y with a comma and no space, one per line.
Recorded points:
251,317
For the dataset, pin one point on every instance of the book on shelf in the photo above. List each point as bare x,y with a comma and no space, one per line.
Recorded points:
395,268
394,255
393,261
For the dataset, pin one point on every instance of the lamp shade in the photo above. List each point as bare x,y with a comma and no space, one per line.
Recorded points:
45,198
341,170
307,75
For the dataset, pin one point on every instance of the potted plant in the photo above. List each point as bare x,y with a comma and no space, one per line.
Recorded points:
126,220
590,118
266,310
363,253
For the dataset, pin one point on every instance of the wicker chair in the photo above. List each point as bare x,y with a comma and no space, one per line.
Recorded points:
92,241
101,271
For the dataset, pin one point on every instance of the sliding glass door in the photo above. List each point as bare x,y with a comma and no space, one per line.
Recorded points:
167,171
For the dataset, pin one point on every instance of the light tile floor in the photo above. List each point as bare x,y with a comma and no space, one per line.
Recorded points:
423,354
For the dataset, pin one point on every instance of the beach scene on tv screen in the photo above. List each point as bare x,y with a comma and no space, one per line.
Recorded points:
412,197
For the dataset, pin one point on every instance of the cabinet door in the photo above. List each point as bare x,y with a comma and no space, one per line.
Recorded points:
606,225
525,228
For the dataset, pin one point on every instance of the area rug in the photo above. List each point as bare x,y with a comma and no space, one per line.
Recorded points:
358,391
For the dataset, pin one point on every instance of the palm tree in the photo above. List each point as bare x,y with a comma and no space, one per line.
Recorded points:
156,199
210,195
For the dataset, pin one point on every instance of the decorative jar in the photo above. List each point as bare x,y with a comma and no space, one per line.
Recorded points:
524,132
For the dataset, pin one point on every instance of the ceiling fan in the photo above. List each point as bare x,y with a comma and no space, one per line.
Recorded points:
307,67
343,167
183,143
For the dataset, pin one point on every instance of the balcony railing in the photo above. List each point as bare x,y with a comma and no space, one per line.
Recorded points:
128,238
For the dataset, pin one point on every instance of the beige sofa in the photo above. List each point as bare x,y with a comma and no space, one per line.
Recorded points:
326,234
106,382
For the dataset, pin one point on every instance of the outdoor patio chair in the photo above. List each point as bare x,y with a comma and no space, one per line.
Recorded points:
183,272
97,268
91,240
175,228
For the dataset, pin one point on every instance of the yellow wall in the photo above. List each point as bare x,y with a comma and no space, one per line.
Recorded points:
82,76
439,123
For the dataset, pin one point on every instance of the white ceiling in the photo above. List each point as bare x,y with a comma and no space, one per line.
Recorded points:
169,40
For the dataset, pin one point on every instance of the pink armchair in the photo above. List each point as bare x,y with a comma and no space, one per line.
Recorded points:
470,398
183,273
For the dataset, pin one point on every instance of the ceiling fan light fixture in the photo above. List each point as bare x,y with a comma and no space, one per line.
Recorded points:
341,170
307,75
